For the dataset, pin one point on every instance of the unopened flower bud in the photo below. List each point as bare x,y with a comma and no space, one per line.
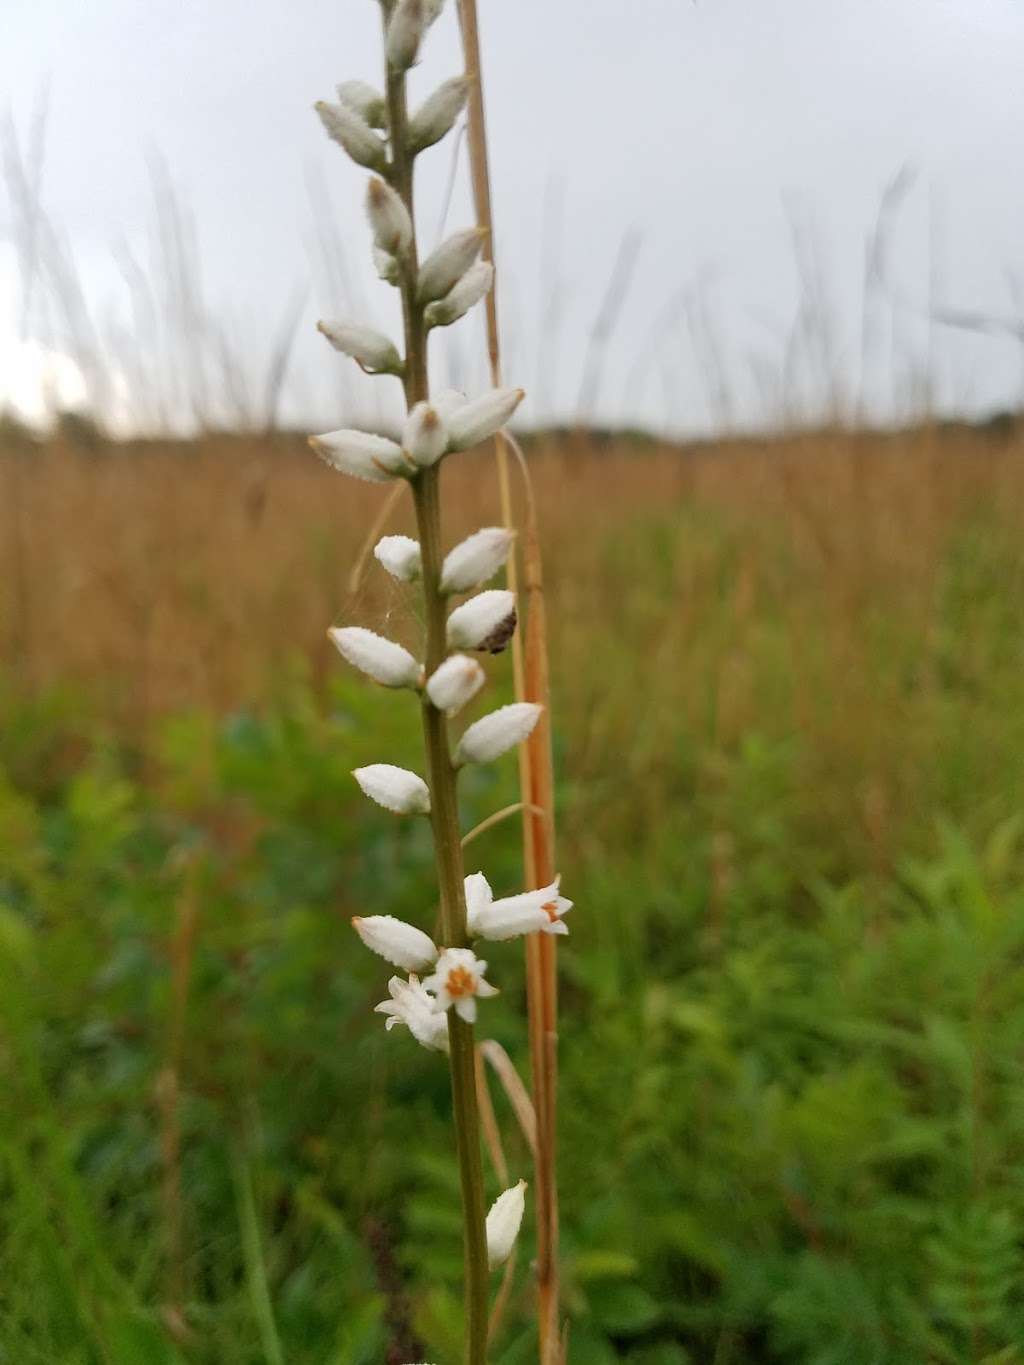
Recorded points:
486,622
401,556
477,420
396,789
367,102
397,942
361,454
455,682
492,735
424,436
503,1223
371,350
447,263
386,266
406,28
382,660
447,401
476,559
351,131
436,115
462,296
389,218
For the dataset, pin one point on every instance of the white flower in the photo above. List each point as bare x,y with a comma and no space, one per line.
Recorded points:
386,267
462,296
448,263
448,401
424,436
400,555
486,621
482,417
455,682
367,347
458,979
411,1005
389,218
351,131
397,942
367,102
493,734
530,912
476,559
396,789
406,28
360,454
503,1223
382,660
435,116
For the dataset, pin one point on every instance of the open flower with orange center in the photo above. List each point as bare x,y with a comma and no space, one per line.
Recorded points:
458,979
530,912
412,1005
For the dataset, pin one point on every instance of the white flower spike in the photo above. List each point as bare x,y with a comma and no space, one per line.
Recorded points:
411,1005
360,454
380,659
496,733
399,943
486,622
503,1223
396,789
530,912
401,556
458,979
462,296
406,28
476,559
447,264
351,131
482,417
454,683
437,114
371,350
424,436
389,218
367,102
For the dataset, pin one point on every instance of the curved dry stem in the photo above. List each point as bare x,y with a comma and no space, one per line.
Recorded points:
497,818
515,1090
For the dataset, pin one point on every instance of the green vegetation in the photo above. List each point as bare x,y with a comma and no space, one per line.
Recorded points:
792,769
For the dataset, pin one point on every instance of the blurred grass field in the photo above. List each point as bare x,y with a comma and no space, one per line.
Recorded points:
789,725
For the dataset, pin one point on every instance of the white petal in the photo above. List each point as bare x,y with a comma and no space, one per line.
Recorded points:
360,454
486,621
446,265
503,1223
482,417
476,559
478,897
499,922
465,1008
493,734
424,436
395,789
382,660
401,556
455,682
397,942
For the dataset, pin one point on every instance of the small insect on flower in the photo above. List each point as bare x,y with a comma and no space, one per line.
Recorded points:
503,1223
380,659
447,264
371,350
486,622
476,559
492,735
396,789
401,944
458,979
413,1006
424,436
360,454
454,683
401,556
531,912
482,417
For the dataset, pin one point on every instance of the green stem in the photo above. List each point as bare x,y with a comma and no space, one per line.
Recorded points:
441,774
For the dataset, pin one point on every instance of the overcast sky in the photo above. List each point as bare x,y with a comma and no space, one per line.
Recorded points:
706,145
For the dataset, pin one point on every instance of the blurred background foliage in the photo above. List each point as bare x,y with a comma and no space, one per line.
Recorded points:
790,741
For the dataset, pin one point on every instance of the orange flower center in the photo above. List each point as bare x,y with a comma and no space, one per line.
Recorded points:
461,981
552,910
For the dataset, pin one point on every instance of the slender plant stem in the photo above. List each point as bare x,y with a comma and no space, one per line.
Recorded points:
441,774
